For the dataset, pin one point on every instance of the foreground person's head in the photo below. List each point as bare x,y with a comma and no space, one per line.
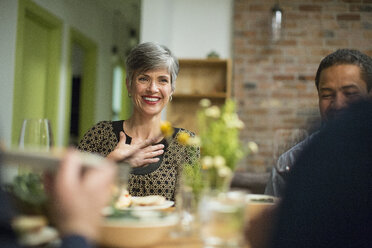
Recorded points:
328,197
342,77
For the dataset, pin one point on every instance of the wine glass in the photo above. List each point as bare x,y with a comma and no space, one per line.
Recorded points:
285,139
36,135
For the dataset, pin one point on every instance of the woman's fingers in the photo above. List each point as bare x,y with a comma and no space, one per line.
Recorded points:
152,154
153,148
145,162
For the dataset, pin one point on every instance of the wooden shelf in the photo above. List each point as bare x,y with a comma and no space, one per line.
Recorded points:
197,79
209,96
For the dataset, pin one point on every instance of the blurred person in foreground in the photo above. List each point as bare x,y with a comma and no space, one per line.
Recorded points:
328,199
151,78
342,77
77,198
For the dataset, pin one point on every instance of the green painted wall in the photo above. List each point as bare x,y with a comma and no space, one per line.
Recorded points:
38,53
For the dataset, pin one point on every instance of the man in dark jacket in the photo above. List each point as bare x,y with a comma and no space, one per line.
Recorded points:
342,77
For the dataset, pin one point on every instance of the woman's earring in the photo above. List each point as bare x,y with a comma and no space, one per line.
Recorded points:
129,95
170,98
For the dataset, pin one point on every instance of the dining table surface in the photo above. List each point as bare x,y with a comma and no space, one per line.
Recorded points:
192,241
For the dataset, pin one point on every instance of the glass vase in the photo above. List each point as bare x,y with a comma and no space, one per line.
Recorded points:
216,182
222,219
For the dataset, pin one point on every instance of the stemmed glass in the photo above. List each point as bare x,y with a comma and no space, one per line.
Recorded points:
36,135
285,139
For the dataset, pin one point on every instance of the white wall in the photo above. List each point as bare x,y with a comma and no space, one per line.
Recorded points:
190,28
84,15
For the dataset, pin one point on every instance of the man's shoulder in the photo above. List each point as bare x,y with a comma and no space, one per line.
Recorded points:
290,155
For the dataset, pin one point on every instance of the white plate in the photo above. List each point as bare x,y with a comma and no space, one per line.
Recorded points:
166,204
255,199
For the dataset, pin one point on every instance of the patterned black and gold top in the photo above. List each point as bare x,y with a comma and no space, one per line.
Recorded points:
159,178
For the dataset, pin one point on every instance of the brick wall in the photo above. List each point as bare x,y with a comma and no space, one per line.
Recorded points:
274,81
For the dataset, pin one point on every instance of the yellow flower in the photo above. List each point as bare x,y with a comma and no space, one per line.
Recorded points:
206,162
183,138
166,129
205,103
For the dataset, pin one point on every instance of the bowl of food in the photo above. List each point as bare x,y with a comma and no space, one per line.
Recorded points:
136,228
33,230
137,221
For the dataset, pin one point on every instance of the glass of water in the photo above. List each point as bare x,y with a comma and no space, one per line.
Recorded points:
222,219
36,135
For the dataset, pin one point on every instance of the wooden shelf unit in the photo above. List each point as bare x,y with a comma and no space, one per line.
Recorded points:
198,79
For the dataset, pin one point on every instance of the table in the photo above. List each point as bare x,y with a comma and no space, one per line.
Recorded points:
183,242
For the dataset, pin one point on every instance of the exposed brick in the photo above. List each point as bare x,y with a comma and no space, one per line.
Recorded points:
335,8
269,51
258,7
337,43
360,8
328,33
260,111
307,95
348,17
290,25
249,85
310,8
268,96
367,34
287,43
296,16
257,42
367,25
357,42
306,77
283,77
283,60
308,43
285,111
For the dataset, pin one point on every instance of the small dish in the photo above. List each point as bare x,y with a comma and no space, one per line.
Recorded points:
256,203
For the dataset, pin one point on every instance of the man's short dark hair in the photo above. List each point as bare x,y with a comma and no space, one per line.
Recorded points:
348,57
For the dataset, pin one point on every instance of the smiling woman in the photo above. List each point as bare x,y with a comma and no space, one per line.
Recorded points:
151,76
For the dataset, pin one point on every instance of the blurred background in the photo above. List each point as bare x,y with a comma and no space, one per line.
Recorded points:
64,59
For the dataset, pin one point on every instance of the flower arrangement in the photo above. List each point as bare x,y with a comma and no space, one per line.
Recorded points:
220,146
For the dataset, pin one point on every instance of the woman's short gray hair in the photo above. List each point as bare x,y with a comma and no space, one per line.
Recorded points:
148,56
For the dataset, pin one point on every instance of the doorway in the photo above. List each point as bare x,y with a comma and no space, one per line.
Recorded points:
81,87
